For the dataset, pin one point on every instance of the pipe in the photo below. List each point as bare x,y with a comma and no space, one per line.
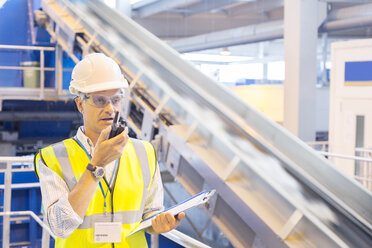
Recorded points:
350,23
36,116
350,12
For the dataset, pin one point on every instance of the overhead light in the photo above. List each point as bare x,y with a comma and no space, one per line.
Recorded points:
225,52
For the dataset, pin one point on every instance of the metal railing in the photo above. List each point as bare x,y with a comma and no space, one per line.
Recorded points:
319,145
174,235
184,240
362,158
39,92
363,165
10,161
46,231
363,169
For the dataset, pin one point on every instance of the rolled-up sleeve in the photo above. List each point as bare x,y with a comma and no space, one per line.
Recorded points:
59,215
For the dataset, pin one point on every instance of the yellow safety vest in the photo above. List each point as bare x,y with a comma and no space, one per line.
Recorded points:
134,174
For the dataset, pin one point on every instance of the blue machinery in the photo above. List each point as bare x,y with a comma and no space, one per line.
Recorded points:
272,189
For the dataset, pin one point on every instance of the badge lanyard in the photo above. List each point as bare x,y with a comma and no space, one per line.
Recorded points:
100,184
108,186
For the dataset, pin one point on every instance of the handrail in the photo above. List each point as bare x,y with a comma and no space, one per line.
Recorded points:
42,93
45,243
37,48
25,68
23,159
33,215
363,149
184,240
362,171
345,156
174,235
319,145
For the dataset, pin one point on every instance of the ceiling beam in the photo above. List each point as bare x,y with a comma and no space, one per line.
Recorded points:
159,6
356,18
261,6
232,37
174,28
207,6
142,3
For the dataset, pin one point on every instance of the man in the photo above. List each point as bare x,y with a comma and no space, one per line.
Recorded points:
96,190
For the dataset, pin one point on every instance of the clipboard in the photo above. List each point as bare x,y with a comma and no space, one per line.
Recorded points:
194,201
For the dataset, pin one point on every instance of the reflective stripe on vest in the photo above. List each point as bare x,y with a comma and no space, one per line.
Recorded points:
136,169
60,152
124,217
144,162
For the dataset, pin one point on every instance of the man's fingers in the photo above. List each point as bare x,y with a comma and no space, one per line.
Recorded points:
154,225
104,135
165,222
120,138
170,219
159,223
179,217
163,219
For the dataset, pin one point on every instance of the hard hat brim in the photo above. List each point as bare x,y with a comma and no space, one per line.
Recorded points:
101,87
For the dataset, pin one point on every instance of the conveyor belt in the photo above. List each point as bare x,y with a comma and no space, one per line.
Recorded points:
273,190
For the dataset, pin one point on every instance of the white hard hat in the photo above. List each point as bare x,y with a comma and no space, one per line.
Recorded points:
96,72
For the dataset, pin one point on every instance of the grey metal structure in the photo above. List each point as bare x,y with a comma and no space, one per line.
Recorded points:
273,190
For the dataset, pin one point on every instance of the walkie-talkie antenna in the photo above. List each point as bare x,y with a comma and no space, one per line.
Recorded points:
116,117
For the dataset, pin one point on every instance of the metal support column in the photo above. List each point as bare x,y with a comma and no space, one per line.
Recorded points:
42,75
300,44
59,67
261,55
324,59
33,223
45,239
154,240
7,198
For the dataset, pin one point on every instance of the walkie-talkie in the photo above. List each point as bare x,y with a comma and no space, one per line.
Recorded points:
117,126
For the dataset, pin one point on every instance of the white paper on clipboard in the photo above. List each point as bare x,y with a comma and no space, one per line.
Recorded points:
194,201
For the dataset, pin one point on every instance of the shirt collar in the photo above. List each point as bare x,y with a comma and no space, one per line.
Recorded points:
84,140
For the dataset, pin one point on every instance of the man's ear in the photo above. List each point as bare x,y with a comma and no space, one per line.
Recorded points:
79,104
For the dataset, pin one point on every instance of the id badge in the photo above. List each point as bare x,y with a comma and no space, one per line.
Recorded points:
107,232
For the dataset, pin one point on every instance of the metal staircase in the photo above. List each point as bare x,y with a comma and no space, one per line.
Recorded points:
272,189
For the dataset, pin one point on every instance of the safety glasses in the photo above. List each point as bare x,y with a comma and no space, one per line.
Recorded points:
101,101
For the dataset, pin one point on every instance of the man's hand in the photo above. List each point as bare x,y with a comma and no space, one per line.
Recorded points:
166,222
104,152
107,150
